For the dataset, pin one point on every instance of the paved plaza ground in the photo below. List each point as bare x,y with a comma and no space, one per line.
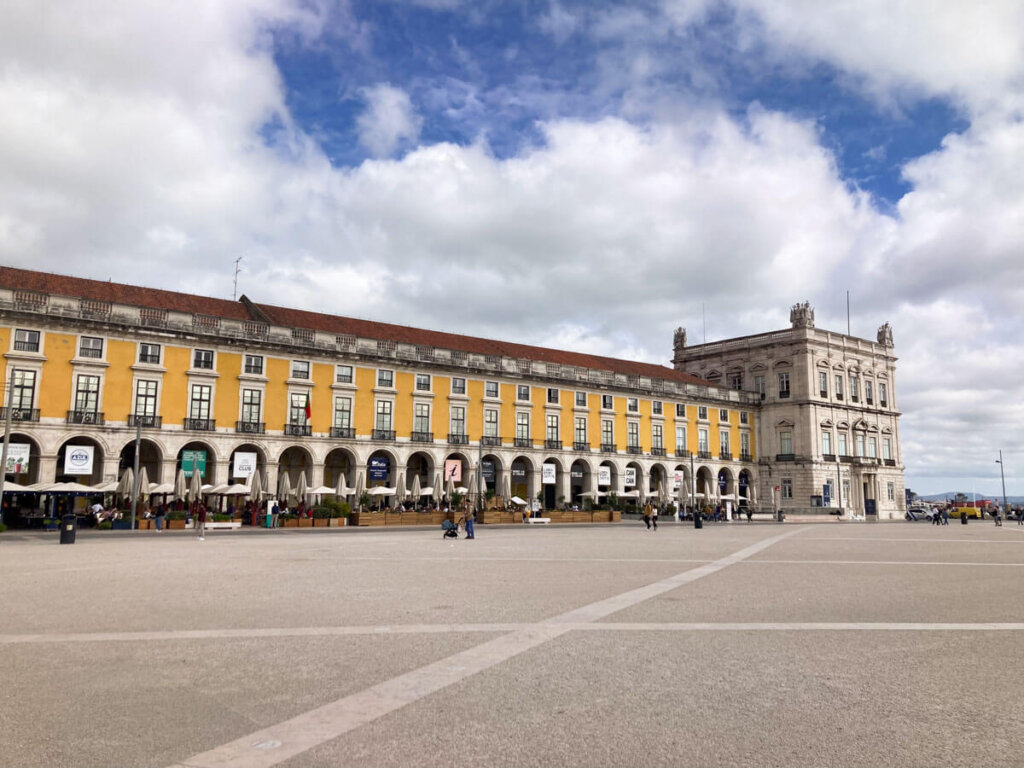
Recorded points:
830,644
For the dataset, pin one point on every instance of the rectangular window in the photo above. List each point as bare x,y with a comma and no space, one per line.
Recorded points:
873,447
844,448
458,419
736,381
680,410
254,364
342,412
383,415
890,491
300,369
199,404
251,401
854,387
552,396
145,399
723,441
26,341
23,390
581,399
421,418
886,448
458,386
744,417
657,408
680,441
202,359
787,487
633,434
607,403
491,389
826,441
522,426
858,444
869,393
297,408
702,412
745,443
87,394
723,415
552,433
385,379
490,422
632,405
786,442
422,385
581,429
607,432
91,346
759,385
657,436
343,374
783,385
149,353
882,394
823,383
523,393
839,386
703,443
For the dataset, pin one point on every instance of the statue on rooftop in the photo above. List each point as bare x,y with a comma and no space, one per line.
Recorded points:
885,335
679,339
802,315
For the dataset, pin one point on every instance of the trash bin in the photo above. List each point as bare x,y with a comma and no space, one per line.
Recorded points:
782,516
963,517
68,528
698,520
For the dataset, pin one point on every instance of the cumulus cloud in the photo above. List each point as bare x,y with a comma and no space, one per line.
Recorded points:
389,120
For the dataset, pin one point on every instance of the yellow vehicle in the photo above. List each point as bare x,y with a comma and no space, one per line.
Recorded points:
968,511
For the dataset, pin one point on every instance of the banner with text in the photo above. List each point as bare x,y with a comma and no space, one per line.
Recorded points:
78,460
630,476
548,473
604,475
245,464
17,458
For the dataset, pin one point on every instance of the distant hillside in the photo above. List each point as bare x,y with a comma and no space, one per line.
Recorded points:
951,494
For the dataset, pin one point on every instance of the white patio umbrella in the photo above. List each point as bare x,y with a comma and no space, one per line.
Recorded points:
340,489
381,490
358,492
195,487
471,483
438,489
256,487
414,493
180,488
10,487
284,487
400,488
300,488
506,487
449,488
143,483
127,484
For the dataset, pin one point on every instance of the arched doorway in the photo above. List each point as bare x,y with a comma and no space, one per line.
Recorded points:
492,471
579,480
83,466
419,465
726,491
746,487
381,470
197,456
552,482
23,460
245,459
339,463
295,461
521,477
705,488
458,470
659,479
607,478
151,458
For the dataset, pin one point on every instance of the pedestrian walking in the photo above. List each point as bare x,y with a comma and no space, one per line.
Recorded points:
1020,515
275,513
647,515
470,520
161,513
997,515
201,521
945,515
654,517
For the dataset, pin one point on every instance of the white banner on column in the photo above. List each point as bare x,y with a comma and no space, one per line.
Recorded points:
677,479
245,464
17,458
630,476
548,472
78,460
604,475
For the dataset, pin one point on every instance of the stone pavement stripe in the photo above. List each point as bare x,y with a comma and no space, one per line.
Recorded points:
872,540
278,743
882,562
805,626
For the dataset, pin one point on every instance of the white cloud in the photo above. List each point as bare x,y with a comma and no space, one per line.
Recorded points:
558,22
389,120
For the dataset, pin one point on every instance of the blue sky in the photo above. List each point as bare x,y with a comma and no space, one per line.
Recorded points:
581,175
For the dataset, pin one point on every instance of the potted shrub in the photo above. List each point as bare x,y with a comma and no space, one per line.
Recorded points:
340,511
176,519
288,520
321,516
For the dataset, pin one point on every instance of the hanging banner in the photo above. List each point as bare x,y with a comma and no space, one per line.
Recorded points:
604,475
548,474
192,461
722,481
453,470
78,460
487,470
630,477
17,458
378,467
678,478
245,464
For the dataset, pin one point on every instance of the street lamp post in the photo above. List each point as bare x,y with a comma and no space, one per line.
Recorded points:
1002,476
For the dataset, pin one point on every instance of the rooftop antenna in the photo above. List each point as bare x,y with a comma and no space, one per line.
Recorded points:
238,268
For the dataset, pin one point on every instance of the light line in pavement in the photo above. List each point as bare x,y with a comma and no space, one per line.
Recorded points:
278,743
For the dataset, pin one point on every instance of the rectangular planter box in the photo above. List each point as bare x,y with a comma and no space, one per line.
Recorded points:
289,523
175,525
337,522
321,522
144,524
305,522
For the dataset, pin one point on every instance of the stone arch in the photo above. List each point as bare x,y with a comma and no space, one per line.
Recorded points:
613,477
522,475
261,461
422,464
658,473
381,468
151,458
295,460
705,486
493,471
209,455
580,479
28,475
745,488
95,476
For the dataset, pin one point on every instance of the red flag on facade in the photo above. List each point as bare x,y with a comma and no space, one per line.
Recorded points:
309,409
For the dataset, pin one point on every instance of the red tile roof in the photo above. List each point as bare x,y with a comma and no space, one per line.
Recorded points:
119,293
97,290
